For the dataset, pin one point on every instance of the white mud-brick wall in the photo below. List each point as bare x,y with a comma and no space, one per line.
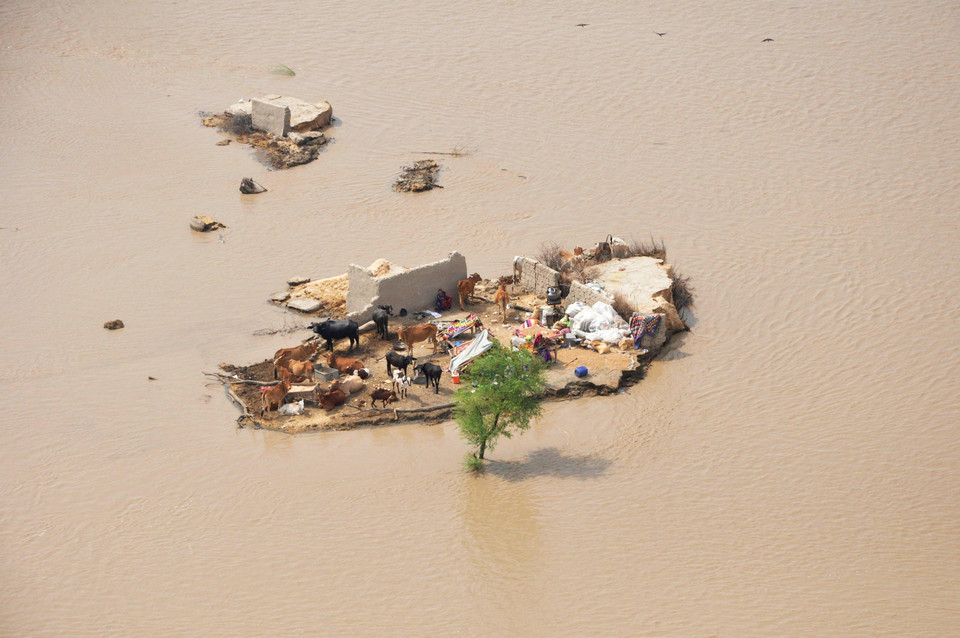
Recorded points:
413,289
536,278
586,294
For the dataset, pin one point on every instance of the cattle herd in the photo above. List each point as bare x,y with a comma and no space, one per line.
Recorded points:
296,364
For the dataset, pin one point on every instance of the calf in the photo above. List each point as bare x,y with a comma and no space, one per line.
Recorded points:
273,395
382,394
345,365
432,372
381,317
301,369
466,286
333,330
350,384
502,298
411,335
331,399
397,360
400,383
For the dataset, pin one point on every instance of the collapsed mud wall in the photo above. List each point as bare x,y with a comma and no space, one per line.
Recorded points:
536,278
586,294
414,289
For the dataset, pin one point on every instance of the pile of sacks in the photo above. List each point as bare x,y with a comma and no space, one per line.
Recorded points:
599,322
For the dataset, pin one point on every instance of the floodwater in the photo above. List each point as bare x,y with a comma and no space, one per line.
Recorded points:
790,468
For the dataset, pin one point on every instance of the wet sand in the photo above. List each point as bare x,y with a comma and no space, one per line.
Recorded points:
789,468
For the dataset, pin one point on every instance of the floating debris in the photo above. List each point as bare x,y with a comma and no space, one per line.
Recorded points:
421,176
204,224
250,187
116,324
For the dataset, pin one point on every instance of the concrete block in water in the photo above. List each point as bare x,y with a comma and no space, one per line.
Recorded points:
272,118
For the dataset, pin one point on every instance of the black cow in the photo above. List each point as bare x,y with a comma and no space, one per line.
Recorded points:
432,372
333,330
381,318
397,360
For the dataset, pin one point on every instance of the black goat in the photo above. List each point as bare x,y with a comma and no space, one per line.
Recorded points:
397,360
432,372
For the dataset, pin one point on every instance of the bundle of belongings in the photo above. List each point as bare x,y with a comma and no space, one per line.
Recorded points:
540,339
466,353
599,322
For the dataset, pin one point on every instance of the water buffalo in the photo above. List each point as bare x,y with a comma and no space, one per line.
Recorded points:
381,317
334,330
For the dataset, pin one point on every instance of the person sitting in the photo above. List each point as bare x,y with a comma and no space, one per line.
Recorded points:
444,301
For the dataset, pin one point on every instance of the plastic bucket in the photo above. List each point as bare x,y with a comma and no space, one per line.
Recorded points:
456,377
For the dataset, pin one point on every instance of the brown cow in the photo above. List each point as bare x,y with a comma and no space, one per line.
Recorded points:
302,369
274,395
466,286
382,394
303,352
502,298
411,335
345,365
331,399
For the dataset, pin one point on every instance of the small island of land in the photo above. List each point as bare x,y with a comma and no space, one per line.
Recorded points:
597,318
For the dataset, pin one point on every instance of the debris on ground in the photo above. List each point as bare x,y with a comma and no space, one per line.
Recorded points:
330,294
116,324
421,176
250,187
204,224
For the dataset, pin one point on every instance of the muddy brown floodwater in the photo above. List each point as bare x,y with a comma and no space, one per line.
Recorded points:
791,466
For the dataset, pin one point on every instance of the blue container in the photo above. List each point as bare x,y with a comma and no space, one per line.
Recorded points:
580,371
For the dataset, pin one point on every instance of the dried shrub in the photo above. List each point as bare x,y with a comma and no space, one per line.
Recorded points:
239,125
550,256
623,306
682,292
654,248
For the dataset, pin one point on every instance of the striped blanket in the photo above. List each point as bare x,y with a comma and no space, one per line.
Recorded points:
458,327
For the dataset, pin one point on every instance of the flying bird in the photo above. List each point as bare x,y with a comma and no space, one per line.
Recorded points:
582,24
767,40
660,34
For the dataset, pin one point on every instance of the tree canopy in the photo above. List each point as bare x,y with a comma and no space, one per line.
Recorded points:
500,396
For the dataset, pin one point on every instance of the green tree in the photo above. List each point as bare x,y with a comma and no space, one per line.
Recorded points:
500,396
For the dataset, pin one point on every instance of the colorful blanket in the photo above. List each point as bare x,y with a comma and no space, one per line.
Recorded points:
458,327
643,325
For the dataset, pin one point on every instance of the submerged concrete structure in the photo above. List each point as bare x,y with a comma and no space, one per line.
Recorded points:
272,118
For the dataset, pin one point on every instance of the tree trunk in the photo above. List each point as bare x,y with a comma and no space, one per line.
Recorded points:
483,447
